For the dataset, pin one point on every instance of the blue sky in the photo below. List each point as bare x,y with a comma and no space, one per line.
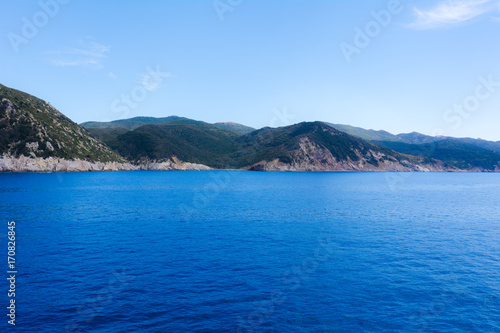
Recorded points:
402,66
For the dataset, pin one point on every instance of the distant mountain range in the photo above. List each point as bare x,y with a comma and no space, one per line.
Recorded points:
461,153
34,136
137,122
305,146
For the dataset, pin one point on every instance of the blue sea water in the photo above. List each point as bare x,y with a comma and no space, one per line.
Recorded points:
228,251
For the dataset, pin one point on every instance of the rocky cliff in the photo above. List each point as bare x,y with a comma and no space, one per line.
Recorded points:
318,147
312,157
52,164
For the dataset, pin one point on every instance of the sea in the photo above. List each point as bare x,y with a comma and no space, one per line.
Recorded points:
236,251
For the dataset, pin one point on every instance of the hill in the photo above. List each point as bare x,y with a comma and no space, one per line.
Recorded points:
453,152
368,135
300,147
316,146
187,140
488,145
33,128
460,153
131,123
136,122
235,127
34,136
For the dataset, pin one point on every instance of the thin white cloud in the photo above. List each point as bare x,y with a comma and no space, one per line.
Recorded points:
452,12
112,75
87,54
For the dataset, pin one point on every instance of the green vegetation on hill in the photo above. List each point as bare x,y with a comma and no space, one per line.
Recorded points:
192,141
417,138
268,144
32,127
203,143
136,122
105,134
452,152
236,128
488,145
368,135
462,153
131,123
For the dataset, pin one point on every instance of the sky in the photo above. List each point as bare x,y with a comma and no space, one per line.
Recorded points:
429,66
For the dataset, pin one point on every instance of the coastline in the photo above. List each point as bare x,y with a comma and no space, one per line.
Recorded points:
51,164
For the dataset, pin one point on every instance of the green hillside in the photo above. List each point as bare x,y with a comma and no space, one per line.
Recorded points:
462,153
452,152
131,123
282,143
203,143
136,122
236,128
32,127
368,135
191,141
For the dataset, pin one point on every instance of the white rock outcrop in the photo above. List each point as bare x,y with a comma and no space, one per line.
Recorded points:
51,164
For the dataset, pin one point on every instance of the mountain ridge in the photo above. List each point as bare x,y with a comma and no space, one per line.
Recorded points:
461,153
34,136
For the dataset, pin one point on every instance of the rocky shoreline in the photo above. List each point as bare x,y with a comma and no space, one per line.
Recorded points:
51,164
